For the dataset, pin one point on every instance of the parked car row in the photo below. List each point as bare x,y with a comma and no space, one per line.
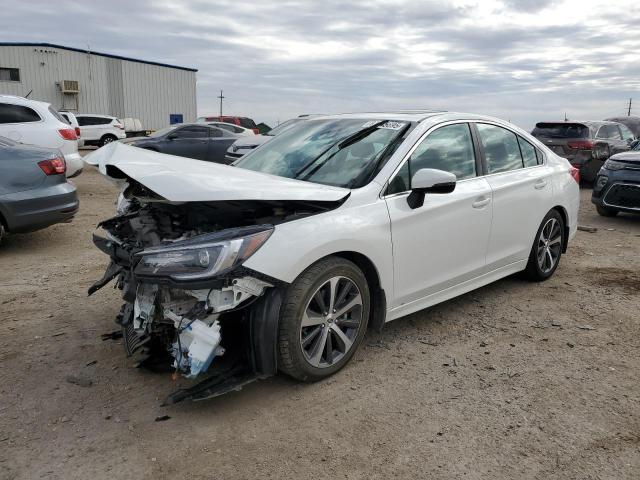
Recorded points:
586,144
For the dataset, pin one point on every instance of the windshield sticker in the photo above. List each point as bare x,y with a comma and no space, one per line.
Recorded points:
390,125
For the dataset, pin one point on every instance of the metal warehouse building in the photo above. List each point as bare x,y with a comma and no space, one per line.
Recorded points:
84,81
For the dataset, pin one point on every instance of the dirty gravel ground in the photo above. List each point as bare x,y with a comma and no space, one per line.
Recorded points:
515,380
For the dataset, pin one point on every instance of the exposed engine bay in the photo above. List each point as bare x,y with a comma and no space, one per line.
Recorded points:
190,307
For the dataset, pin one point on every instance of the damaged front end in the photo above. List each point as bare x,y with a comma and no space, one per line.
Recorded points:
190,306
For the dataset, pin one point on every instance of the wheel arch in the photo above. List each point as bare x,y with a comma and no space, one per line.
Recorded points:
378,296
565,219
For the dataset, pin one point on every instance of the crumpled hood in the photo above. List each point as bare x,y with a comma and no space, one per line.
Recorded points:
180,179
633,156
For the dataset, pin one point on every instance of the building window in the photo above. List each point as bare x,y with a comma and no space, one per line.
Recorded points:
9,74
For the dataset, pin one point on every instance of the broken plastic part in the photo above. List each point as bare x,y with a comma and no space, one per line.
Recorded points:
198,344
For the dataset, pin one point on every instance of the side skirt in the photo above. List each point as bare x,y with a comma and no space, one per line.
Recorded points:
456,290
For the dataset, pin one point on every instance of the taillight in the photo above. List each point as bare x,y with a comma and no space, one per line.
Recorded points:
53,166
575,173
78,132
256,131
581,145
117,125
68,133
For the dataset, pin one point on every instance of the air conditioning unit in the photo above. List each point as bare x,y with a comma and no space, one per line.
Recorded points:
69,86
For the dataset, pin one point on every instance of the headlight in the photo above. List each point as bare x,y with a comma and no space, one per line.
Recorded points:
201,257
613,165
601,182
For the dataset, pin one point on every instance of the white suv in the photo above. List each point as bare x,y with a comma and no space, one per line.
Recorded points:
38,123
99,130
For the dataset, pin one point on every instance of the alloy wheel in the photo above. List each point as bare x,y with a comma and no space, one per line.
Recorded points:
549,245
331,321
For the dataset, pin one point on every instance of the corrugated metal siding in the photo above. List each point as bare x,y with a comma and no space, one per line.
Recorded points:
115,87
109,86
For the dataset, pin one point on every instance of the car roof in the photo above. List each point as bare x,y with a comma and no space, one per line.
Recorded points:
408,115
22,100
94,115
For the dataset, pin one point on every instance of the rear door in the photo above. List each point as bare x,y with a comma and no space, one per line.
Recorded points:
521,186
190,141
219,141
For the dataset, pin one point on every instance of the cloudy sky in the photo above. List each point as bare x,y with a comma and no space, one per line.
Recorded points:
524,60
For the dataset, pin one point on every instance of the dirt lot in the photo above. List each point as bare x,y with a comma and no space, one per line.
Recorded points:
515,380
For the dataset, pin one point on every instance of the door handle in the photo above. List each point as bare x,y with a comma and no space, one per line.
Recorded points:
481,203
540,184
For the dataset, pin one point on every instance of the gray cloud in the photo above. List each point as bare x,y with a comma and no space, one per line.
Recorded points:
524,60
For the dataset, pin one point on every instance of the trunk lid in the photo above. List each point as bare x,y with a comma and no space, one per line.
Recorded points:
180,179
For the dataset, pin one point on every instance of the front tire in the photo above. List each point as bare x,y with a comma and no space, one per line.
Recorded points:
606,212
324,319
547,248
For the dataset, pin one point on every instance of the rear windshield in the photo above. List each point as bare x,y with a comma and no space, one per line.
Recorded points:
561,130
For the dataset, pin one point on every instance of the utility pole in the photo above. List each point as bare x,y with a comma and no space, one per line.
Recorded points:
629,111
221,97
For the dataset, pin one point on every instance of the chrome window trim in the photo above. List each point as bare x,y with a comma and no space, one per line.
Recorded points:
478,174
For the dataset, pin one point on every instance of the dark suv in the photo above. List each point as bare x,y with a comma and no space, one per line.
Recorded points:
617,188
585,144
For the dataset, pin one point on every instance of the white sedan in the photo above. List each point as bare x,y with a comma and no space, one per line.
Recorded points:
342,223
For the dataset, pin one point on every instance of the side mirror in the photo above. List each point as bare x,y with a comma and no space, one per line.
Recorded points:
429,180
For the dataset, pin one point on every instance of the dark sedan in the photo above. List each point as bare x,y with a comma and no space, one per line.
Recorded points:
585,144
192,140
617,188
34,192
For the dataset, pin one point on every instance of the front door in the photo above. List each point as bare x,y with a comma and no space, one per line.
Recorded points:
191,141
444,242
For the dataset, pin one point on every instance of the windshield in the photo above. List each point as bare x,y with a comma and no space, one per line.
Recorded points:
164,131
343,153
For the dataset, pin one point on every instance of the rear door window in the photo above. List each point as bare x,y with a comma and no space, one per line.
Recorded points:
192,132
626,133
560,130
528,151
501,149
609,132
17,114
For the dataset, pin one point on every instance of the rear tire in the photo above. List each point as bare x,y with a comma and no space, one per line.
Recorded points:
547,248
606,211
107,139
327,339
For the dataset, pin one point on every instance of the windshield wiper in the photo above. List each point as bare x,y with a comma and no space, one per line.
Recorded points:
339,145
